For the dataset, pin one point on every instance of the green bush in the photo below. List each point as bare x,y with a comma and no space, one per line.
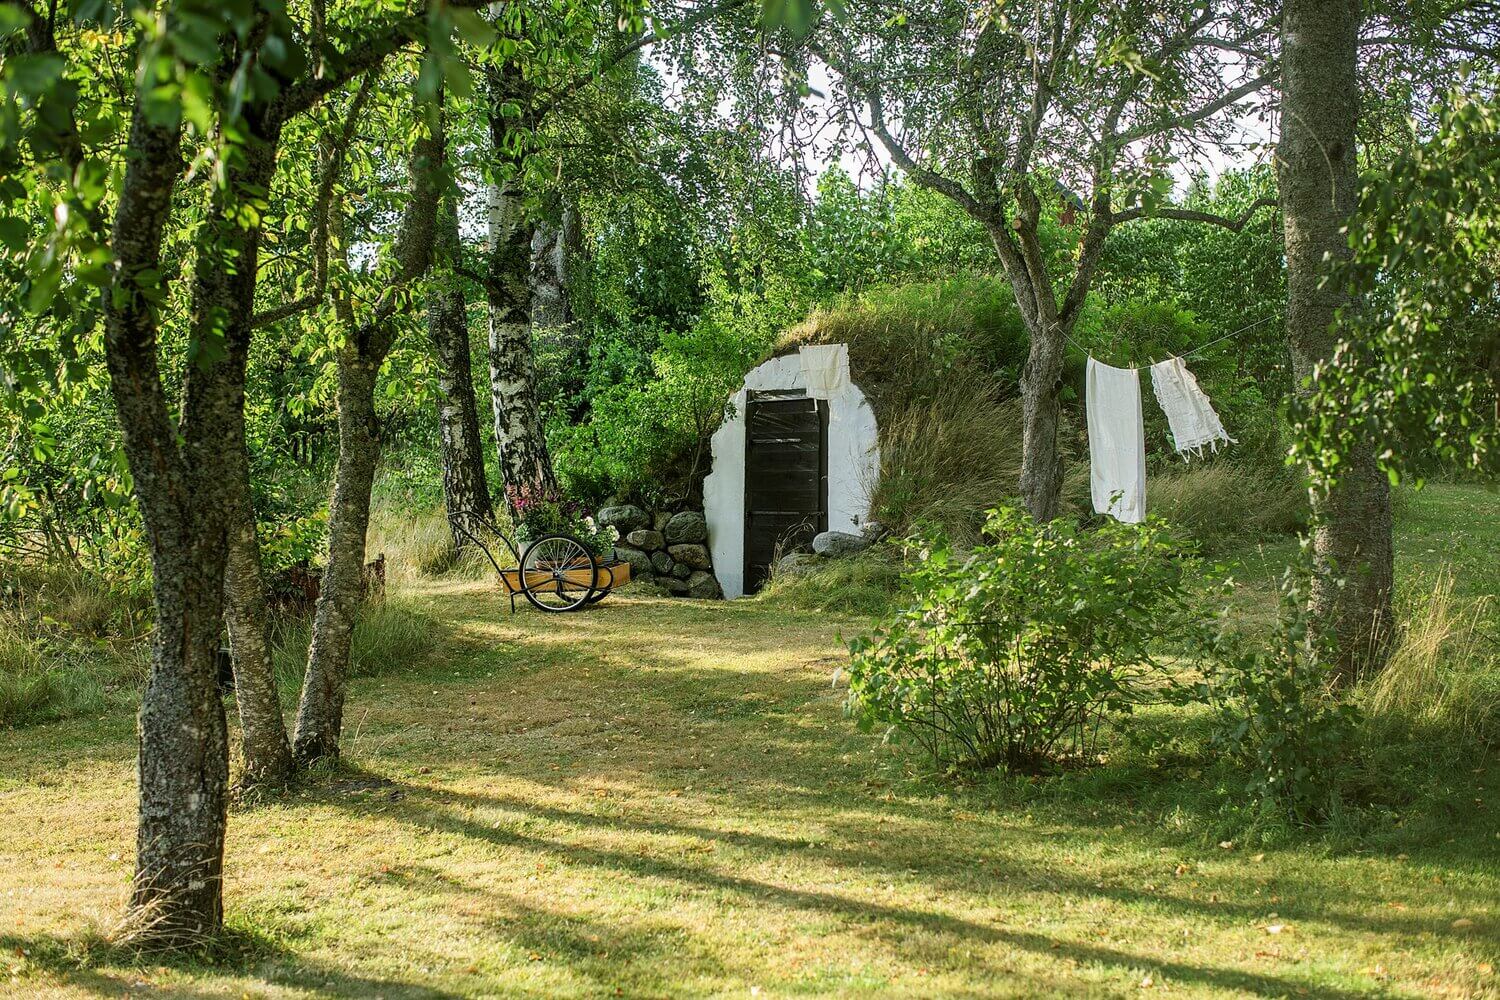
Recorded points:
1013,654
1276,712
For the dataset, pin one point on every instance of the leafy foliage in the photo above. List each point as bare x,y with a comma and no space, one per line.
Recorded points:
1275,710
1013,654
1416,370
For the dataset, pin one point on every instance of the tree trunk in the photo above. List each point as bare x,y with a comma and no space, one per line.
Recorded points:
229,294
264,745
1041,465
554,249
466,494
519,435
178,473
1041,376
1316,159
320,711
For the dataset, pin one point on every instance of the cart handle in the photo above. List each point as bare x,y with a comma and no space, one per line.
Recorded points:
456,522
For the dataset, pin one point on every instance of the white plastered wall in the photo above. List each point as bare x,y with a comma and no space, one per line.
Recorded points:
853,453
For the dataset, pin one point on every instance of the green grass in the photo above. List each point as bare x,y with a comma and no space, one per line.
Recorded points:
663,798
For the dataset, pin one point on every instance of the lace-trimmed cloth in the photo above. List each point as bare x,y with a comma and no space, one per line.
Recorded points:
1194,423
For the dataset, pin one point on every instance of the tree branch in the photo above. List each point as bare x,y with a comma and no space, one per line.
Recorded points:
332,167
1208,110
618,56
1193,215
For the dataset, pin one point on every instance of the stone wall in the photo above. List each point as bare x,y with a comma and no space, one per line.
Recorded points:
667,550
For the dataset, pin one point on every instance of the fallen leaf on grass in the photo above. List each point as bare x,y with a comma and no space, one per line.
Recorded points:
1275,928
1147,982
1462,923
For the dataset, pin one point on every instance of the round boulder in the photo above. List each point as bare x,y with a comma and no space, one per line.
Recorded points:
687,527
645,539
661,562
682,570
838,544
695,556
672,585
640,562
624,518
703,586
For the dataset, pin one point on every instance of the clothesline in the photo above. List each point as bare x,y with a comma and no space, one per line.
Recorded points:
1201,347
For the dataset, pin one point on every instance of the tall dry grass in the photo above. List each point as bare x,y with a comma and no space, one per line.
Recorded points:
1443,676
946,460
1215,502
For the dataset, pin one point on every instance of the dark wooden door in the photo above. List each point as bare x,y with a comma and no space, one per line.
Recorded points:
786,478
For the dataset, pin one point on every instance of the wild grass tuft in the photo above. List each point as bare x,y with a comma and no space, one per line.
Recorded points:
1443,676
867,584
948,459
390,635
1216,502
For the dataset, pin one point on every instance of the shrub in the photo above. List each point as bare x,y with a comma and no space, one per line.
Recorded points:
1014,653
1276,712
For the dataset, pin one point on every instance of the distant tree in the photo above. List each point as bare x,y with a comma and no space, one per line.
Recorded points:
1012,109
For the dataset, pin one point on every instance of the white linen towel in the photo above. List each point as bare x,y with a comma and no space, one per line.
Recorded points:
1117,442
825,368
1192,418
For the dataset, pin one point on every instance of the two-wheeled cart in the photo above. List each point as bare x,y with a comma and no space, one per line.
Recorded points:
554,573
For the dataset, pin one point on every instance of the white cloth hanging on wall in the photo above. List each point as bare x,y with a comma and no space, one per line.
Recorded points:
825,368
1117,442
1189,413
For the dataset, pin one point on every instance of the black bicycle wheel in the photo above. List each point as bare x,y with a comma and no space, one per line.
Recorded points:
558,573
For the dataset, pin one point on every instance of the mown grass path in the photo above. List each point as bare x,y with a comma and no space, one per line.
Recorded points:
662,798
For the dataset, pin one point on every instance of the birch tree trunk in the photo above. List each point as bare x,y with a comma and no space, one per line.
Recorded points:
320,711
1317,171
520,437
465,490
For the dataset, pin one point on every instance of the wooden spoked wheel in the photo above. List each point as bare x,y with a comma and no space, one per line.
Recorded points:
558,573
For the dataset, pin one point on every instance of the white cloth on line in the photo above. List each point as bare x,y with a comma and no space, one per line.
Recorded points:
1192,418
825,368
1117,442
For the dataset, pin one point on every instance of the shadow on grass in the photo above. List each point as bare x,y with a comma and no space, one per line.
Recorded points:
92,963
893,924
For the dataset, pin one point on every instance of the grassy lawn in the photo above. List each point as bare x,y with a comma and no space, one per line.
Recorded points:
663,798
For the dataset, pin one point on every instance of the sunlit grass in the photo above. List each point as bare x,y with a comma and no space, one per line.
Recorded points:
664,798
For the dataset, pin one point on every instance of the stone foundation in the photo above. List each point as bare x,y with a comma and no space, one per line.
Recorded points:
667,550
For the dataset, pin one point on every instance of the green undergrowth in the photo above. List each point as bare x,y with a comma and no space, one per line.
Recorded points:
397,633
867,584
71,643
